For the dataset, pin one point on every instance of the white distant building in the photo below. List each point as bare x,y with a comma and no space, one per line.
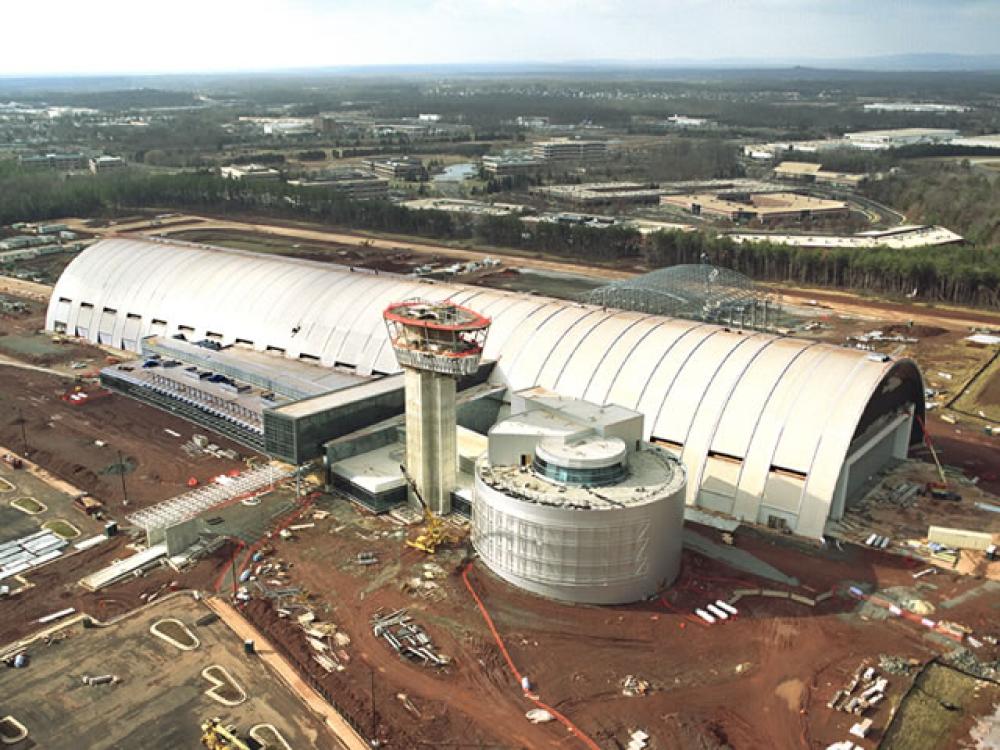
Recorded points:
429,118
879,139
257,172
684,122
568,149
106,163
532,121
915,107
979,141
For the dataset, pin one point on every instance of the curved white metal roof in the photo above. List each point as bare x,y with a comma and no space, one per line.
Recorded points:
758,402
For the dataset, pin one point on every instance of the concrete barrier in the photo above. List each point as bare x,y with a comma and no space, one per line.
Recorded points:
775,594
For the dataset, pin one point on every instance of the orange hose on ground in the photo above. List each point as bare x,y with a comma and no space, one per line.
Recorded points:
513,668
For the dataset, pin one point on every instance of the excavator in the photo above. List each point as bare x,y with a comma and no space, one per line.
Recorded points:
435,532
217,736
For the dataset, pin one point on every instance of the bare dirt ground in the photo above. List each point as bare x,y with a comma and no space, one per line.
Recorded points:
61,437
761,680
355,240
54,587
849,302
399,260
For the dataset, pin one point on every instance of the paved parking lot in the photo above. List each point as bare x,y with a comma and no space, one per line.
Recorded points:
160,700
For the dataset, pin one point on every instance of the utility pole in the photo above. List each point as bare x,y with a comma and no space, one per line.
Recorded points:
232,563
121,468
372,668
24,431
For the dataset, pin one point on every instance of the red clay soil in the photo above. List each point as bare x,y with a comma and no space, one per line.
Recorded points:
916,312
916,331
976,453
761,680
61,439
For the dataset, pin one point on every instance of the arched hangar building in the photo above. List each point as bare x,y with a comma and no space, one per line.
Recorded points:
772,430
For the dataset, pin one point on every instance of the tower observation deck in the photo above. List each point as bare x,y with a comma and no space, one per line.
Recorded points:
435,344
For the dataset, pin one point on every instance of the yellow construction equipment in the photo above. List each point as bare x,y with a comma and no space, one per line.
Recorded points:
217,736
435,531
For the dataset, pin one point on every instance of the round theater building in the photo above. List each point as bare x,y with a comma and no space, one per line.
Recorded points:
570,503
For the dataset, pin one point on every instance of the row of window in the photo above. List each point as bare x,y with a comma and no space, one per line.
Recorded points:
600,476
185,329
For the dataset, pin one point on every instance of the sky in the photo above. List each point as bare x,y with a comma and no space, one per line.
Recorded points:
180,36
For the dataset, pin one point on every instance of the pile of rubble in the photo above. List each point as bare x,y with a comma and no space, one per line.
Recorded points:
871,691
426,585
407,638
327,642
965,661
199,444
896,664
633,686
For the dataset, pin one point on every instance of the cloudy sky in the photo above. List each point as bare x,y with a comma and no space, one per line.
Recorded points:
109,36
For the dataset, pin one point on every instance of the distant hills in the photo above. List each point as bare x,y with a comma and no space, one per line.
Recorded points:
674,68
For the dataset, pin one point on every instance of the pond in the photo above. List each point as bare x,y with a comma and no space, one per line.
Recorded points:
457,172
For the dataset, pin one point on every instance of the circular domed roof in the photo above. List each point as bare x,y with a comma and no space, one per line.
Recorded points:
588,453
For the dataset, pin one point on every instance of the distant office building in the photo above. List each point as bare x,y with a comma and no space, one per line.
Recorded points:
766,208
879,139
511,166
55,161
106,163
335,123
255,172
566,149
429,118
460,206
397,168
352,183
915,107
803,171
683,122
532,122
279,125
596,193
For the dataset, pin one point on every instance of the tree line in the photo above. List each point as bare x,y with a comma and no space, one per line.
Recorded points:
955,275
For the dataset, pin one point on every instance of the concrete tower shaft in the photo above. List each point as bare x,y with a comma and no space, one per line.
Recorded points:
435,344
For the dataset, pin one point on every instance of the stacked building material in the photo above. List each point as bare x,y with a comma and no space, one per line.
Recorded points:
20,555
408,639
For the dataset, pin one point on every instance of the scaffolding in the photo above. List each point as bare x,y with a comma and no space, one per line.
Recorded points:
192,504
696,292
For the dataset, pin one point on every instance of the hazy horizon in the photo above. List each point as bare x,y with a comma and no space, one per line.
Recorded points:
226,36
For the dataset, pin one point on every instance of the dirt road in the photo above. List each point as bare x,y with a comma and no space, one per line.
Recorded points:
21,288
846,302
346,238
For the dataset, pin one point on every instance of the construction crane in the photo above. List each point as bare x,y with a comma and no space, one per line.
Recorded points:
217,736
930,447
435,531
937,490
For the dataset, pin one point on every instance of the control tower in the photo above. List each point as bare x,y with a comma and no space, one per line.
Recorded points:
436,343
